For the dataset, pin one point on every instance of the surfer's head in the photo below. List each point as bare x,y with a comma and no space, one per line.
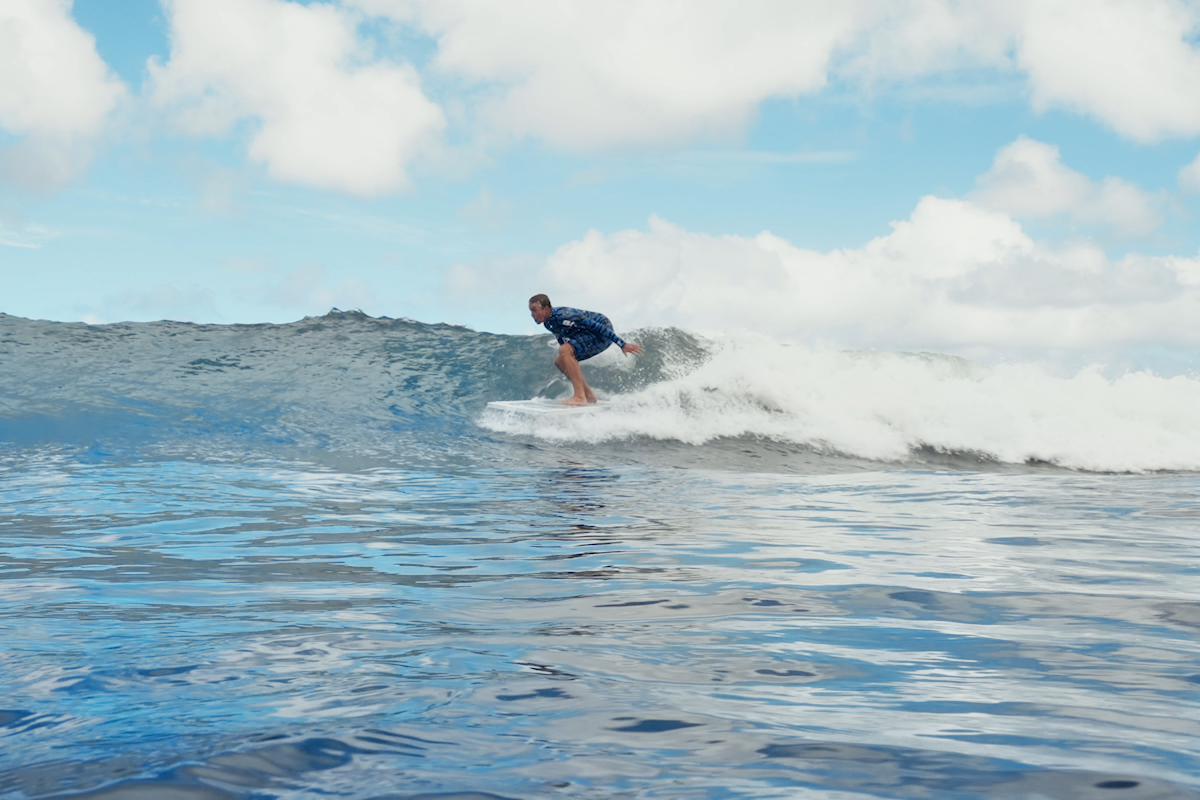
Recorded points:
539,308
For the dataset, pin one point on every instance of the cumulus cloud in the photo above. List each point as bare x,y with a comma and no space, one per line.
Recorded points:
324,109
653,72
1130,63
327,113
55,93
917,38
954,277
1028,179
630,72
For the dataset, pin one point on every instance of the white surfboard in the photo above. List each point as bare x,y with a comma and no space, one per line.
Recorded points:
540,406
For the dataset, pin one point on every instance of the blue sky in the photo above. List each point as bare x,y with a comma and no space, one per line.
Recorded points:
997,180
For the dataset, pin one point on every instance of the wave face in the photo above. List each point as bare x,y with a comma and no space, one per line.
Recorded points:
349,385
344,383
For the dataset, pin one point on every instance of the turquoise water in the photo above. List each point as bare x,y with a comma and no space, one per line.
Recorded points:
319,569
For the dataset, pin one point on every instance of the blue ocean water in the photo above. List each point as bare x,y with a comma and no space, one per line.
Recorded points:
302,561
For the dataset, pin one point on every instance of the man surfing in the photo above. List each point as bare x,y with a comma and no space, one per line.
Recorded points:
581,335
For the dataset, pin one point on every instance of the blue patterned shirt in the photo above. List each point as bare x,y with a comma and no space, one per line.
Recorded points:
569,324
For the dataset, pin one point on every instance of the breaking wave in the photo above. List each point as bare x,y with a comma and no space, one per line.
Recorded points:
346,383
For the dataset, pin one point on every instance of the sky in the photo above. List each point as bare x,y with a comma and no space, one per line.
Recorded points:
1008,179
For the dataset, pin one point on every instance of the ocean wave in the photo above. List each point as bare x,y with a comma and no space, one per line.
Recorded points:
400,389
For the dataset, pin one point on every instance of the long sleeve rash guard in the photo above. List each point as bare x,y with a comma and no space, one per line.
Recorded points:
571,324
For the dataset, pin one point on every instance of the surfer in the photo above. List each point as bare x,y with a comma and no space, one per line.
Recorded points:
581,335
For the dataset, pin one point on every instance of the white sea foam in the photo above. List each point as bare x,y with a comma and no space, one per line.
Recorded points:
881,405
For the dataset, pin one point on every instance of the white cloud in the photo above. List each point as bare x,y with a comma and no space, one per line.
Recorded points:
323,109
1127,62
631,72
953,277
1028,179
45,163
1132,64
1189,176
328,113
55,92
654,72
924,37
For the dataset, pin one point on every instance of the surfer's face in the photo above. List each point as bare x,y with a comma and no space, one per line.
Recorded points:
539,313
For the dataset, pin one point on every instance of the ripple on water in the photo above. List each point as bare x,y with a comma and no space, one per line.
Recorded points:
288,631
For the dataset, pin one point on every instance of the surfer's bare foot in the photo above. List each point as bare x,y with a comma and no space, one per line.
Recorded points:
575,401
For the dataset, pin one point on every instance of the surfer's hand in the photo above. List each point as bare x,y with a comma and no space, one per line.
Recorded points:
630,347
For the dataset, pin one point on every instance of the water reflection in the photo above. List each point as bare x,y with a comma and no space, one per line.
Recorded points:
291,631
